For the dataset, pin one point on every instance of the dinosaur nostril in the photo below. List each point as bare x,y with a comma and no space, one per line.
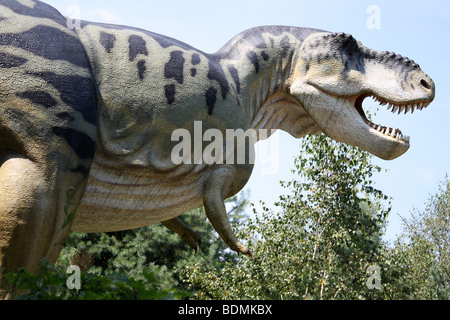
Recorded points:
425,84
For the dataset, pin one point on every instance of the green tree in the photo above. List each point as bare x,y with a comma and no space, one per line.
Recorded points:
152,248
420,259
135,264
50,283
320,243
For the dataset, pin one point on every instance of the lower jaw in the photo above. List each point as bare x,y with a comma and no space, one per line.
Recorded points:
390,132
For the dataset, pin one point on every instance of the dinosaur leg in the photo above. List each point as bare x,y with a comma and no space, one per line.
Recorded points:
22,211
189,235
217,188
31,215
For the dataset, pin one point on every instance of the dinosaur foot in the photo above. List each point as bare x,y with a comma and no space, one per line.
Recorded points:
193,240
189,235
240,248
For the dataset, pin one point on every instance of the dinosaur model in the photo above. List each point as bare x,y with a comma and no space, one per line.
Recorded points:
87,116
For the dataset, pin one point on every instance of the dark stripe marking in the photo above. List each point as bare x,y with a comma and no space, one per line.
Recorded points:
258,41
9,61
254,60
216,73
235,75
163,41
137,46
107,40
141,69
38,97
169,91
174,67
40,10
211,98
48,42
193,72
195,59
80,143
75,91
286,45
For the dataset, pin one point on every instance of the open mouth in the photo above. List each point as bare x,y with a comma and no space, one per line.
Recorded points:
395,108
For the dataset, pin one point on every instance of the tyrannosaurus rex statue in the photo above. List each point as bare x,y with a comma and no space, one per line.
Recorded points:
92,110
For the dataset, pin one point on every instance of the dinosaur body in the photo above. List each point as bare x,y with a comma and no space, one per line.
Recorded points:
149,86
92,110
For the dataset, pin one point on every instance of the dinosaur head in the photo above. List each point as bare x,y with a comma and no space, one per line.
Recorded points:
333,75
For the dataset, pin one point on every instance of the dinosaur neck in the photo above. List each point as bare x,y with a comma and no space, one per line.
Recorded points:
264,58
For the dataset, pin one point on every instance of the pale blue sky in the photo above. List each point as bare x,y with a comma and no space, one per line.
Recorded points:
416,29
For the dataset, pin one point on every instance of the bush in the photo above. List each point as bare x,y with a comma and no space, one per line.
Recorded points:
51,283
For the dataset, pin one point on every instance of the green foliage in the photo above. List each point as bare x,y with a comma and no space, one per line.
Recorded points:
320,244
153,247
421,257
327,233
135,264
50,283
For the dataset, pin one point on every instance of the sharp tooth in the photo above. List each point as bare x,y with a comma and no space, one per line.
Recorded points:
395,109
400,109
420,105
408,107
